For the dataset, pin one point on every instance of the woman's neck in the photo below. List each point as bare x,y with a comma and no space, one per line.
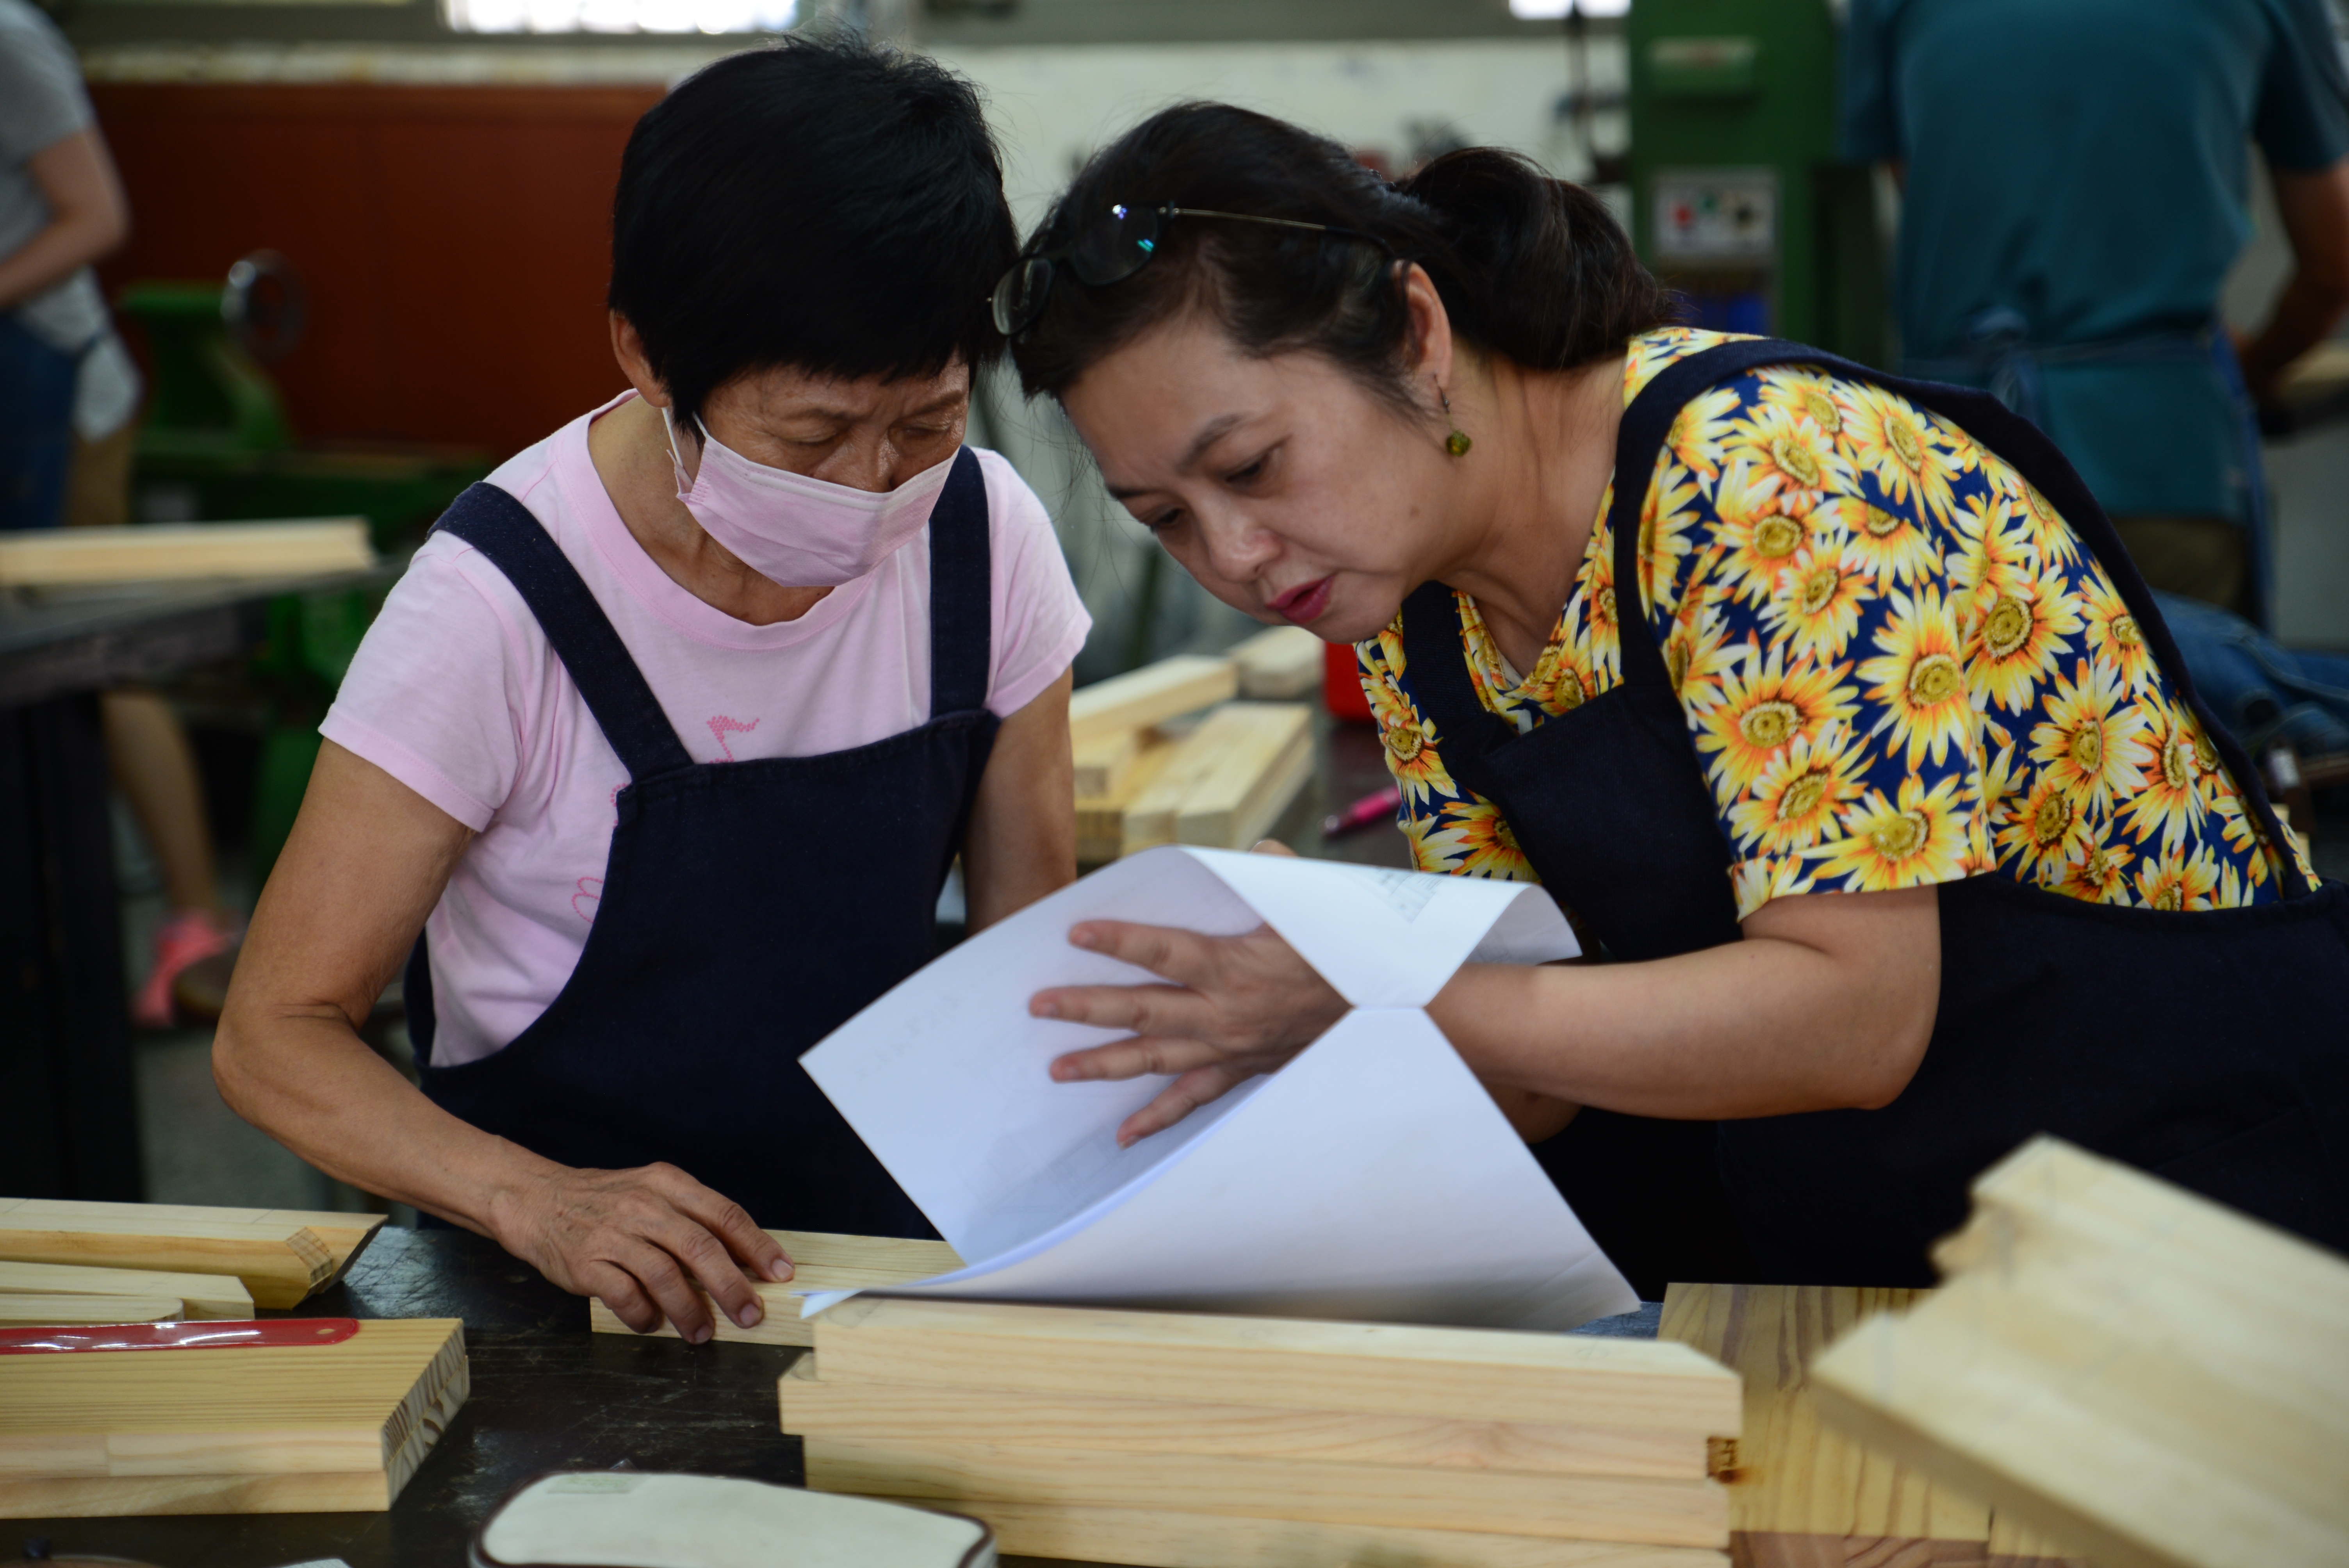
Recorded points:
1544,453
629,447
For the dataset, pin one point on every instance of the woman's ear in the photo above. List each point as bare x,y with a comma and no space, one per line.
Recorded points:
1430,325
628,348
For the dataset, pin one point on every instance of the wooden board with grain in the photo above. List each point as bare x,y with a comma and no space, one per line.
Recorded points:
143,553
1235,771
1380,1370
279,1263
1669,1513
330,1427
822,1262
202,1295
2137,1373
1103,764
345,1235
54,1311
913,1415
1150,695
1158,1538
1100,819
1279,662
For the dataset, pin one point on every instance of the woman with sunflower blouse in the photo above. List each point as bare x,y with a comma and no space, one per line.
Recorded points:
1829,706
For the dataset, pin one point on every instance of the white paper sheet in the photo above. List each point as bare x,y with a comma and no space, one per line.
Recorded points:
1372,1178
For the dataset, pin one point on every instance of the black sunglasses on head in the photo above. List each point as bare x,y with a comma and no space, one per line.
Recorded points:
1110,251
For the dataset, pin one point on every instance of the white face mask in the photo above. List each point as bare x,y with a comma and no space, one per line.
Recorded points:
795,530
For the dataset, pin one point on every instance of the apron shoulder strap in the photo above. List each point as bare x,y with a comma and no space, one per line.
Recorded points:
614,688
962,592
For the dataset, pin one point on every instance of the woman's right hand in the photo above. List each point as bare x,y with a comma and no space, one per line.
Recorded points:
642,1241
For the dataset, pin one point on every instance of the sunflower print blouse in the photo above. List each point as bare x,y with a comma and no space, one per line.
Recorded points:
1900,666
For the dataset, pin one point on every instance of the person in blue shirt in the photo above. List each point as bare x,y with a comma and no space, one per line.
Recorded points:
2075,183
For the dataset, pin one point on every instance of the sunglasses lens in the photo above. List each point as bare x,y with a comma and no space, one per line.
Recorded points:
1020,295
1116,247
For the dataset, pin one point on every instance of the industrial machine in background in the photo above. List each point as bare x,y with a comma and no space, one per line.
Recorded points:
217,445
1738,199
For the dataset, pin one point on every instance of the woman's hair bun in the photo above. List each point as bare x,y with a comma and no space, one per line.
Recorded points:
1528,266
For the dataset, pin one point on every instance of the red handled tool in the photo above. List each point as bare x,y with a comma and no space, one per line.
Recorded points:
217,1334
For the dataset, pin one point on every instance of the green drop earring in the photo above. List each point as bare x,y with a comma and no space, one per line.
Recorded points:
1457,443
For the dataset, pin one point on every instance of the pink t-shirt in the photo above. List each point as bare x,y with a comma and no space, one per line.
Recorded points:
456,694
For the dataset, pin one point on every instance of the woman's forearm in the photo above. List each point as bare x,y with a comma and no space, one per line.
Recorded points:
309,1081
1810,1017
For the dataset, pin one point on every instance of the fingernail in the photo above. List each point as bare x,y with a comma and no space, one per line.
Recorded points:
1063,1072
781,1270
1044,1007
748,1317
1086,936
700,1336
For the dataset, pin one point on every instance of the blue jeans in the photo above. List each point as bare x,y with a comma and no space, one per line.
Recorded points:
37,396
2260,689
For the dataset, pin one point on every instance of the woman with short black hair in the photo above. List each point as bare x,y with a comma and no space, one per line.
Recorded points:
668,735
1829,704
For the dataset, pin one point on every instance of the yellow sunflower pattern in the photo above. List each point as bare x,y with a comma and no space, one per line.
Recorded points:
1900,667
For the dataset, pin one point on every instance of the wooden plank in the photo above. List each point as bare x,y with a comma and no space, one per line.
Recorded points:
1562,1507
1220,774
345,1235
1103,763
1101,820
203,1296
2141,1375
150,552
1235,808
1150,695
279,1263
822,1262
193,1431
1158,1538
1279,662
1384,1369
913,1415
45,1310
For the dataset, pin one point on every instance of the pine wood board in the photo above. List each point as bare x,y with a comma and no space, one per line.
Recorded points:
195,1431
1222,776
1157,1538
342,1236
1150,695
58,1311
1279,662
1382,1369
821,1261
1561,1507
2129,1369
1103,763
1100,819
201,1296
151,552
913,1415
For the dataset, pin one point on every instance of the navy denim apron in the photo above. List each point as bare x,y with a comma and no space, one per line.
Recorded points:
2209,1047
749,909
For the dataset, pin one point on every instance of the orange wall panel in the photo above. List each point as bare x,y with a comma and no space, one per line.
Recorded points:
455,241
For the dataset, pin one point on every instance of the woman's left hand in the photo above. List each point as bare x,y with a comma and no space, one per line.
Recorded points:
1233,1006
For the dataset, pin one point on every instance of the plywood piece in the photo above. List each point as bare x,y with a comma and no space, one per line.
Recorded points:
1279,662
912,1414
1263,767
1384,1370
1791,1474
150,553
1158,1538
18,1311
822,1262
2137,1373
1103,763
203,1296
1150,695
1562,1507
334,1426
1101,820
279,1263
345,1235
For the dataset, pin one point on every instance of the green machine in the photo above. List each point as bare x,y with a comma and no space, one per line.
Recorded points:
216,446
1738,199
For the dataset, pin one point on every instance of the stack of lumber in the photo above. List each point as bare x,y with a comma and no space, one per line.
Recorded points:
62,557
29,1290
279,1256
1222,783
1181,1441
820,1262
2136,1371
1803,1495
300,1428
